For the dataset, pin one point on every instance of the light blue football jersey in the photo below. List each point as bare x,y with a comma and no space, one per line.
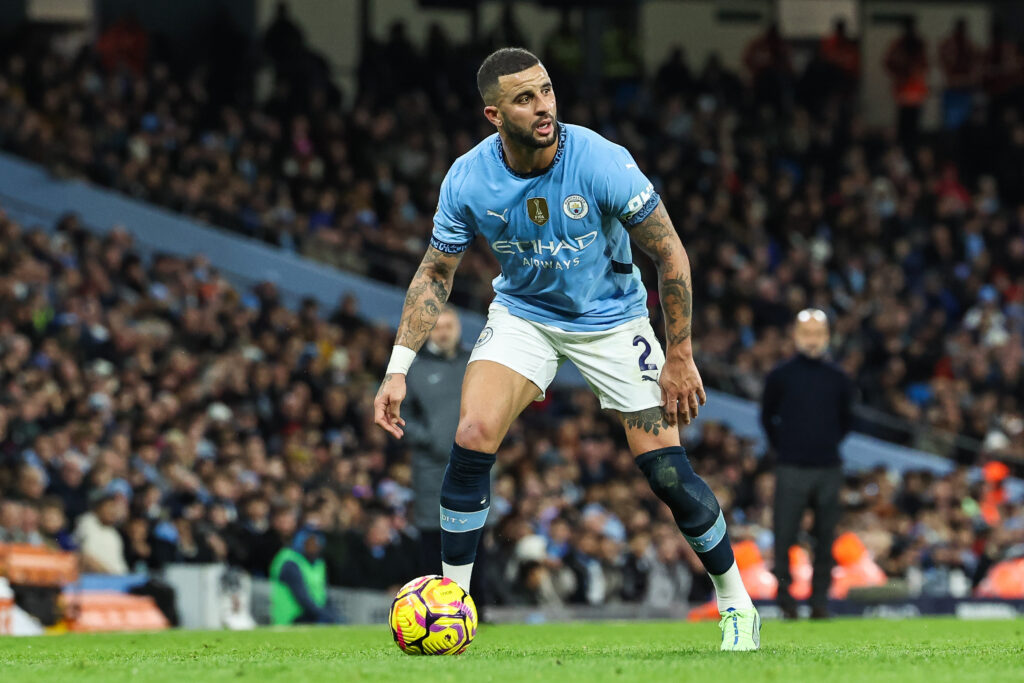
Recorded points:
560,235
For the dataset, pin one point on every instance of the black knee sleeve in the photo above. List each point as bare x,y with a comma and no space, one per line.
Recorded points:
694,506
672,478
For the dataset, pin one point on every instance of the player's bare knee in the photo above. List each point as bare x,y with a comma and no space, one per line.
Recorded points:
477,435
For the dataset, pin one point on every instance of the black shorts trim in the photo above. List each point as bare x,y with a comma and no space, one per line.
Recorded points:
622,268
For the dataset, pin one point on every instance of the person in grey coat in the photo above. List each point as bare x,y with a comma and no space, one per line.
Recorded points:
434,386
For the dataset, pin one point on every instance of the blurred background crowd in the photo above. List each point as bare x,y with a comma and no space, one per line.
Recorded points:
783,196
151,413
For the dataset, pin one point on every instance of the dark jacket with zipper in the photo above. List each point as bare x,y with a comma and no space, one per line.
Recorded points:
806,411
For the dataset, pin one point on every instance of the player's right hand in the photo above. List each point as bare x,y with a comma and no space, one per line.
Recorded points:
682,390
387,404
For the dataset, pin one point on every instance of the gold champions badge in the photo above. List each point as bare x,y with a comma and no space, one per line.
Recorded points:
537,210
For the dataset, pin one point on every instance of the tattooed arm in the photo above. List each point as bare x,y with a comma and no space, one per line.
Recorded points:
657,237
426,296
424,300
680,382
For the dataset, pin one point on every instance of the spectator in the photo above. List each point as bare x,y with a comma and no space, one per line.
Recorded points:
377,558
253,522
31,483
961,63
227,545
298,582
69,484
563,51
767,59
637,567
138,548
1001,68
906,60
97,536
585,564
535,586
673,77
283,523
668,580
12,514
124,45
283,39
30,524
53,524
842,53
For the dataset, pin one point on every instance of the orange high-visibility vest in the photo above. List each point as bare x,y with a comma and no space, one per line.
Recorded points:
1004,580
801,570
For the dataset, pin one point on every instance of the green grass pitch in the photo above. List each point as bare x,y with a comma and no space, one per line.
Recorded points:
841,650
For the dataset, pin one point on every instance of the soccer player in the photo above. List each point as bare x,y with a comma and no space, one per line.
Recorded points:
557,204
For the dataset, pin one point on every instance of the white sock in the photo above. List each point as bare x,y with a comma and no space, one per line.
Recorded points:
460,573
729,589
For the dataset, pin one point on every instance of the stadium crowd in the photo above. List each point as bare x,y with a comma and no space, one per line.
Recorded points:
783,196
151,413
150,407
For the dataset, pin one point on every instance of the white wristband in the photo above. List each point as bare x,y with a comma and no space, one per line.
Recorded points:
401,358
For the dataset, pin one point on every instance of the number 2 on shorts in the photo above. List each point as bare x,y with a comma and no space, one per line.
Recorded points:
644,365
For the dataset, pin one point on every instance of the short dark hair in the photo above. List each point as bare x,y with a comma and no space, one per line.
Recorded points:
52,502
507,60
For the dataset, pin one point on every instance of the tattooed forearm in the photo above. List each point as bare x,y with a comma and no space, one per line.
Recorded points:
426,296
677,306
651,420
657,237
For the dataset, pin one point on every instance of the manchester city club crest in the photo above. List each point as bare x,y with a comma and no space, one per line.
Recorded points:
537,210
485,336
575,207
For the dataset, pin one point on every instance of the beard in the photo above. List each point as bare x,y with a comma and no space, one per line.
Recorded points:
526,138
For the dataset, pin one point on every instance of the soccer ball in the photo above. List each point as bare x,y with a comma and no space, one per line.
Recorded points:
432,615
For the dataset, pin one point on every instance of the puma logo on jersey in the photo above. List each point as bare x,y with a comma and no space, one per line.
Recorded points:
502,215
630,165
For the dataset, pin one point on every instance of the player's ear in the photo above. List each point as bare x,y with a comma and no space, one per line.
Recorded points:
493,114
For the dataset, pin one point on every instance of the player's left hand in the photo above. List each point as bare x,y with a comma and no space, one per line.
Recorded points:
388,403
682,390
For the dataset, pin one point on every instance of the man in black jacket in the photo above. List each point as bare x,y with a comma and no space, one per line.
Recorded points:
806,413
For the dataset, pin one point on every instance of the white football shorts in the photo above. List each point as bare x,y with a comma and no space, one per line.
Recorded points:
622,364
